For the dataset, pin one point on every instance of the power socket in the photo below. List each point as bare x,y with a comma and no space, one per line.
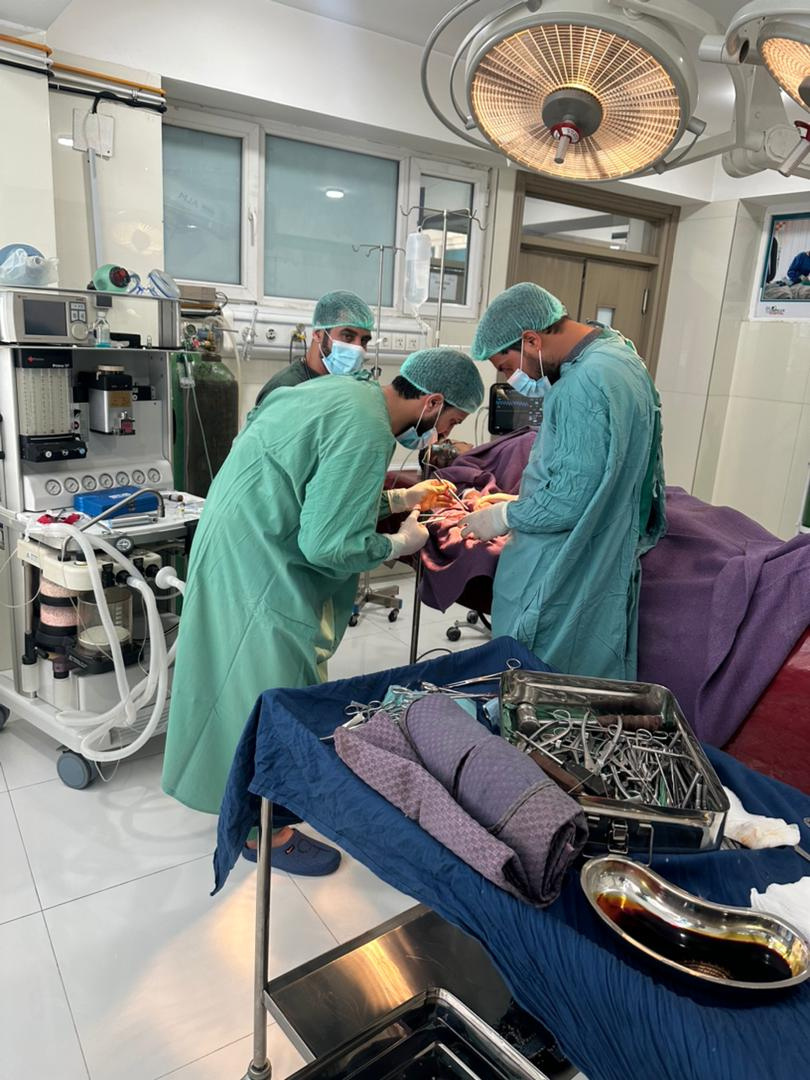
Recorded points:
399,342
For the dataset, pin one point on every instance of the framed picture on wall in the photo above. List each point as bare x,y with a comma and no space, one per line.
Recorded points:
784,284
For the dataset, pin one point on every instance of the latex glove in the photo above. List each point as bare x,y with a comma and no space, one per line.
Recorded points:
485,524
428,494
494,497
412,536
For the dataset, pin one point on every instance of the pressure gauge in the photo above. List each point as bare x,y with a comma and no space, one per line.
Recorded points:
105,480
122,478
89,483
154,476
124,544
53,487
71,485
138,476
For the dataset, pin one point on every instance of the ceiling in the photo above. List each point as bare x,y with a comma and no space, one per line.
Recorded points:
414,20
35,14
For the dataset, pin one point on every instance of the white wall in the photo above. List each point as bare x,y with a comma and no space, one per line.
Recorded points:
694,303
26,182
130,183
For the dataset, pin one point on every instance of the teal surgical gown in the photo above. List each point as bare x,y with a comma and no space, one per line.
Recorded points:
288,525
591,502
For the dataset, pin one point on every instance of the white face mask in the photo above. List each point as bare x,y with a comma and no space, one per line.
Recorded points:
530,388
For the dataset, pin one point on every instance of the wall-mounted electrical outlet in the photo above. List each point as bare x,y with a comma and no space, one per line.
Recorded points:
399,342
412,342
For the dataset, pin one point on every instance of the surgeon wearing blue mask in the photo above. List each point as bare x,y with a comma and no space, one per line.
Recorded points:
341,330
591,498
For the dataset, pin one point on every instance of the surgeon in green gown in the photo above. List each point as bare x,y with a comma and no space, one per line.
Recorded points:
288,525
591,499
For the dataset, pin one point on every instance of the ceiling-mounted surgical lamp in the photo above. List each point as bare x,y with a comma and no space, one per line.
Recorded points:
775,35
574,89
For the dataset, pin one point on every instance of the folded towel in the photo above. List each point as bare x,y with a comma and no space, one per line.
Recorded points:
789,902
755,830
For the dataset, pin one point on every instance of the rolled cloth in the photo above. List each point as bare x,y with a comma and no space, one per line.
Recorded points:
473,792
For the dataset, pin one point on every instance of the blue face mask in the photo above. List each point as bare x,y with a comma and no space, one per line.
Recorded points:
530,388
343,358
412,440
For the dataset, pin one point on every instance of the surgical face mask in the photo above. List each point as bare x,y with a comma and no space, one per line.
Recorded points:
530,388
343,358
411,438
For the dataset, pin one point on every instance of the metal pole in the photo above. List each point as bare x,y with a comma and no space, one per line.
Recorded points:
260,1068
440,300
417,603
95,210
377,369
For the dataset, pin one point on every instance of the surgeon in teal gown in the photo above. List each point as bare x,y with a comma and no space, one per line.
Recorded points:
591,500
289,524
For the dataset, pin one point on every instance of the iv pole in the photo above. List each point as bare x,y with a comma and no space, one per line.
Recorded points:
387,597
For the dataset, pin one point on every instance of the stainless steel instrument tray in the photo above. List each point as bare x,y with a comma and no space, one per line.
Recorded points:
617,824
431,1037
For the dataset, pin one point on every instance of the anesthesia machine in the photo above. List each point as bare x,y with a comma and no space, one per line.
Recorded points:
94,537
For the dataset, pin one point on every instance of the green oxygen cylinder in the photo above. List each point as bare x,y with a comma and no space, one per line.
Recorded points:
205,399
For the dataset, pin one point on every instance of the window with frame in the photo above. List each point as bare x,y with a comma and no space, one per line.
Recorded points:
280,219
439,196
320,203
202,205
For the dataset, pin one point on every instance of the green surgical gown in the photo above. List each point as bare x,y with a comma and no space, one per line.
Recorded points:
288,525
591,502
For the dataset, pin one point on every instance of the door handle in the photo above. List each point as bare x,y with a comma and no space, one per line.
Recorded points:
645,300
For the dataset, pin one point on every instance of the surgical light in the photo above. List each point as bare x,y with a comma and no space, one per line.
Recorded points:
334,193
785,51
777,33
572,90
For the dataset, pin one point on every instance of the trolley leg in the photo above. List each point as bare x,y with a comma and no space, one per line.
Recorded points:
260,1068
417,610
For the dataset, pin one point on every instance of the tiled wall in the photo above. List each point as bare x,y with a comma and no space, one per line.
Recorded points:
755,442
694,306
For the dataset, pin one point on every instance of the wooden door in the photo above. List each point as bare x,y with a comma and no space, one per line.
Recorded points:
617,296
560,274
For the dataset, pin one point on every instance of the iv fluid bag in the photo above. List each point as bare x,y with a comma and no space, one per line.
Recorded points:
417,268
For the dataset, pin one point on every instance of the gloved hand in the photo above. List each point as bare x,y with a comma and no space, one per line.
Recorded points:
412,536
492,498
428,494
485,524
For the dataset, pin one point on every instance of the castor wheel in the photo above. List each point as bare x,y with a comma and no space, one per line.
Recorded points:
472,617
354,619
393,615
454,633
75,771
3,716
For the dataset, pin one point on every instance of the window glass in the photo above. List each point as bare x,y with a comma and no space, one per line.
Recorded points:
202,205
319,201
435,195
553,220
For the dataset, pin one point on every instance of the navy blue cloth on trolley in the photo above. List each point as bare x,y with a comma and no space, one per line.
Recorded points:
614,1014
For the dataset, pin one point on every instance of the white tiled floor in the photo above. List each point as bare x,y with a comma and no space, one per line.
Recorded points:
114,960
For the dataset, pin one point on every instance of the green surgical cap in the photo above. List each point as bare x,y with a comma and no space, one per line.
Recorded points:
447,372
523,307
342,308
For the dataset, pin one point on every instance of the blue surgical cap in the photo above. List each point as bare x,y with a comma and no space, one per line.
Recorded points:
342,308
523,307
447,372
